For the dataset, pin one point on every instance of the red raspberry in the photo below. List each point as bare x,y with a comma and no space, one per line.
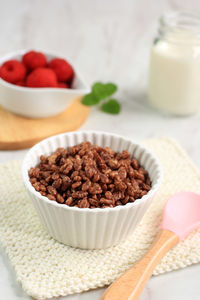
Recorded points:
62,68
33,60
63,85
42,77
20,83
12,71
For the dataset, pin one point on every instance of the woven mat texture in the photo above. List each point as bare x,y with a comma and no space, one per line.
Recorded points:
46,268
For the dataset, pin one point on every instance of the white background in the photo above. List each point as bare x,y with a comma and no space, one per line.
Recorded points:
108,41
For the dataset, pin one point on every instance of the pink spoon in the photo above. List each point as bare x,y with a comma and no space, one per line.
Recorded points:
181,215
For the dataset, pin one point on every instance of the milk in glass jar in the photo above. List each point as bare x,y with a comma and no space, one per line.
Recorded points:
174,74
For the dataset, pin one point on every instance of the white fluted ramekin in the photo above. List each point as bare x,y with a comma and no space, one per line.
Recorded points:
84,227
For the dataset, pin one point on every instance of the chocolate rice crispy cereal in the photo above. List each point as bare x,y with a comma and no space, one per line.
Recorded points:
90,176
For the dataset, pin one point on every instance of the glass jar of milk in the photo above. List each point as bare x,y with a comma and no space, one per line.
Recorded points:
174,75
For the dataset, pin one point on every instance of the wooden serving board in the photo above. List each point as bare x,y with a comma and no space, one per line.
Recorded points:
18,133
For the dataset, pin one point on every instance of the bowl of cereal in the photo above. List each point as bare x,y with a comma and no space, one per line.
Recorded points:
90,189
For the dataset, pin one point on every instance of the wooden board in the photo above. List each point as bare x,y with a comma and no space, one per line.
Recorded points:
18,133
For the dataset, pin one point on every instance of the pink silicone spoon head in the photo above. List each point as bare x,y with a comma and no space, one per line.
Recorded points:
182,213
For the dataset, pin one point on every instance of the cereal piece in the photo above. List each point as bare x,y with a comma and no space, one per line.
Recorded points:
69,201
43,188
120,186
52,158
52,190
59,198
125,200
37,186
76,184
51,197
96,177
95,189
139,175
55,176
89,171
84,203
104,178
122,173
77,178
108,195
93,202
135,164
125,154
106,201
79,194
118,203
113,163
57,183
33,180
86,185
118,195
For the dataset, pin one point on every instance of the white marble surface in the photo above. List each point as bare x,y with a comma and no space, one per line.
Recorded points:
107,40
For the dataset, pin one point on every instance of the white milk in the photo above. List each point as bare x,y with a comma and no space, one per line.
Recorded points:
174,75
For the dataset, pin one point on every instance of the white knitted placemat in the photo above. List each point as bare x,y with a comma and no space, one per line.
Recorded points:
46,268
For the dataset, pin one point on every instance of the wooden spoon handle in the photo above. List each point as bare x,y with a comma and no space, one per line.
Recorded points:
130,285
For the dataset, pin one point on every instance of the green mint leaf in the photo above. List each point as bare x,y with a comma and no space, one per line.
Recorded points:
111,88
112,106
90,99
98,90
102,90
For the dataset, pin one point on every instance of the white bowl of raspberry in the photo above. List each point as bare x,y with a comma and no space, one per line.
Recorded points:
38,85
93,192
